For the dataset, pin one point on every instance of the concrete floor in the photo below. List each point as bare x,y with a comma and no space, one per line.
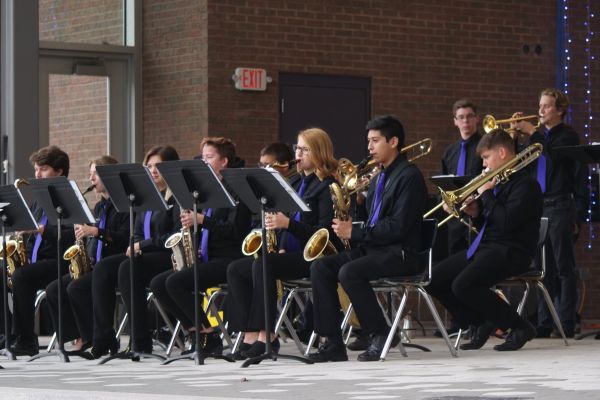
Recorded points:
543,369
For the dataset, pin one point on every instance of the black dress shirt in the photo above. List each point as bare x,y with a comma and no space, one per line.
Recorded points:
162,225
114,236
318,198
560,169
398,226
473,163
47,249
227,228
513,216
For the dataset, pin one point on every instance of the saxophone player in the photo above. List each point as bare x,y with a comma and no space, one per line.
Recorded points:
48,162
317,167
219,244
384,246
108,237
150,233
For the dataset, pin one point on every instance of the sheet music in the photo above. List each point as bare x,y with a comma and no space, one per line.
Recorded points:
31,217
289,189
91,220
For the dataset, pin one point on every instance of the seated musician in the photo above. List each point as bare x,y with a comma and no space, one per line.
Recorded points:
222,232
317,167
108,237
384,246
279,155
508,218
151,230
48,162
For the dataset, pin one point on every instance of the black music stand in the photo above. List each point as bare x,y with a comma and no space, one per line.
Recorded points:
63,203
131,188
263,190
585,154
15,215
195,185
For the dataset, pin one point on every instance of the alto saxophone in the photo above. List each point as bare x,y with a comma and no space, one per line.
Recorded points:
80,262
180,244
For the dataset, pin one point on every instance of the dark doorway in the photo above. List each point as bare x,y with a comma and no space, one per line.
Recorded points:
341,105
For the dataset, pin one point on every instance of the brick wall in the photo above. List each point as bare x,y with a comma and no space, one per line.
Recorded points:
174,74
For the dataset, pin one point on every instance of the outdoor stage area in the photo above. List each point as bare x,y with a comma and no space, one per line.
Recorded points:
543,369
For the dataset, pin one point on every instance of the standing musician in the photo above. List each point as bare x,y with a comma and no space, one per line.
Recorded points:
461,158
48,162
385,244
151,230
317,167
222,231
556,174
508,218
110,236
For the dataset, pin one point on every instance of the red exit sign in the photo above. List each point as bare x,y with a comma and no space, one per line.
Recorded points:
251,79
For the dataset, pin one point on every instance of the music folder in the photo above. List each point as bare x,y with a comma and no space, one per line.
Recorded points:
450,182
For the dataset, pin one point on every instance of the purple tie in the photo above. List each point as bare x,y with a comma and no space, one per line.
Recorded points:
101,225
38,239
462,159
378,198
292,243
477,240
204,239
147,219
541,167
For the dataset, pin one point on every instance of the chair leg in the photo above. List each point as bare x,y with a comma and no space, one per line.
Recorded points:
458,338
521,306
552,311
311,341
215,313
392,332
173,337
122,325
165,317
438,320
52,343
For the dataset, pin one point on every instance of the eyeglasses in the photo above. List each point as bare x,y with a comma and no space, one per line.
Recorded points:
465,117
298,149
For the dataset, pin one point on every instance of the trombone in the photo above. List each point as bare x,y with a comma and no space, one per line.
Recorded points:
490,123
454,199
355,178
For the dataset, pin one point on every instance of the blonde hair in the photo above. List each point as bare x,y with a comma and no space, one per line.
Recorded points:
321,151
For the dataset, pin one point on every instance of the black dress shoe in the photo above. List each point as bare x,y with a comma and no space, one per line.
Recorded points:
258,348
329,351
376,344
241,354
210,344
102,349
519,335
481,336
360,342
25,349
543,332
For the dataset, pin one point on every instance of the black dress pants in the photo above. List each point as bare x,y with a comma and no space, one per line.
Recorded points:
239,294
354,269
146,267
104,294
175,290
27,280
76,307
279,266
464,286
561,277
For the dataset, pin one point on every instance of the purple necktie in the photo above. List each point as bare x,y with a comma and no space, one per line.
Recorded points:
38,239
204,239
462,159
477,240
292,243
378,199
101,225
541,167
147,219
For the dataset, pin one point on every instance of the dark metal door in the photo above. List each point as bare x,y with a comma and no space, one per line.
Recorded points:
340,105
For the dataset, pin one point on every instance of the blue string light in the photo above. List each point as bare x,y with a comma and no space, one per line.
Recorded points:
588,121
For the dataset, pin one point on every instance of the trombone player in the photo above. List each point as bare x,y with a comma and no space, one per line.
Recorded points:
385,244
556,175
508,219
